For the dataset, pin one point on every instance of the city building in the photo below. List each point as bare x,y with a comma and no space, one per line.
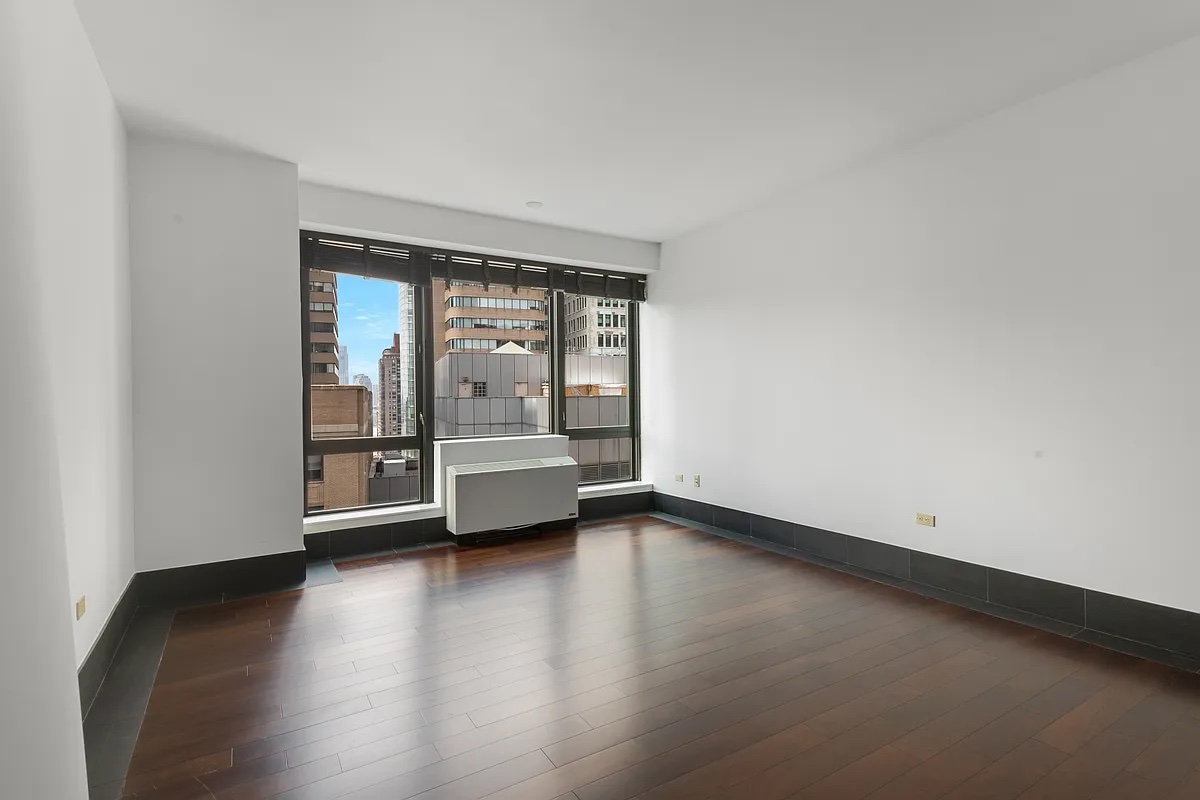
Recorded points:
468,318
507,392
392,397
339,409
323,352
406,360
596,325
497,393
365,380
339,480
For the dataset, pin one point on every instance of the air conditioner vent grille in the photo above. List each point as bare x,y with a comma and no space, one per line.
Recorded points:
499,465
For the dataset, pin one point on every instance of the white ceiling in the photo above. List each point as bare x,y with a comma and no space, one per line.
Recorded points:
640,118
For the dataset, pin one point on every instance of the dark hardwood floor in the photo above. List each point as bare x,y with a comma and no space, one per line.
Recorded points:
644,659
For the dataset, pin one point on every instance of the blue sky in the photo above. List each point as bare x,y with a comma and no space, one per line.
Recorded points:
368,313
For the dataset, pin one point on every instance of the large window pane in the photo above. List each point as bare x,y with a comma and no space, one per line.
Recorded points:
491,369
362,385
596,380
362,357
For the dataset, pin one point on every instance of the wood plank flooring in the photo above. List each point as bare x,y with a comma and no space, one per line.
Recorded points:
642,659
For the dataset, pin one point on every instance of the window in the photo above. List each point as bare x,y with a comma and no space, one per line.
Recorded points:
362,445
598,391
497,323
456,345
496,302
498,379
487,345
314,468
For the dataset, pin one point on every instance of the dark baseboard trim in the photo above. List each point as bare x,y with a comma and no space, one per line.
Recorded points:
615,505
111,726
1158,633
220,581
95,665
371,539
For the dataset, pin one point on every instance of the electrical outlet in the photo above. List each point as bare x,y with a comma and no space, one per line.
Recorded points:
80,607
928,520
679,477
696,480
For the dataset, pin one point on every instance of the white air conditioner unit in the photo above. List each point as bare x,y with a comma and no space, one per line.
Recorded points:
505,495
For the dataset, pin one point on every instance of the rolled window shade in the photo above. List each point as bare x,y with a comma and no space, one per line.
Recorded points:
419,265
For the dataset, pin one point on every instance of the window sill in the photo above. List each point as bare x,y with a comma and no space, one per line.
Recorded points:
612,489
364,517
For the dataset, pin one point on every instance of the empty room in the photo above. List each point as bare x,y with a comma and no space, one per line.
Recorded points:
600,399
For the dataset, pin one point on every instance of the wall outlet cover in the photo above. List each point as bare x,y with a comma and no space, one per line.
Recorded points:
928,520
696,480
80,607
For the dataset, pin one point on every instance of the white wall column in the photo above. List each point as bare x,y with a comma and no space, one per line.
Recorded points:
218,389
40,727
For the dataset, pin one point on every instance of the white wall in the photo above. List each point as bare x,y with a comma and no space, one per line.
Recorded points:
331,209
81,213
60,191
88,337
216,342
999,326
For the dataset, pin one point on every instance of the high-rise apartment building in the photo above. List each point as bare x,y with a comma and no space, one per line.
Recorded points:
364,380
323,327
406,364
596,325
392,398
468,318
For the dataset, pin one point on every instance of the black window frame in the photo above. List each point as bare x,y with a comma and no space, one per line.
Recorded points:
632,431
419,266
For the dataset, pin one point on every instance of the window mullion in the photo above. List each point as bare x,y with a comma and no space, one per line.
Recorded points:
558,361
